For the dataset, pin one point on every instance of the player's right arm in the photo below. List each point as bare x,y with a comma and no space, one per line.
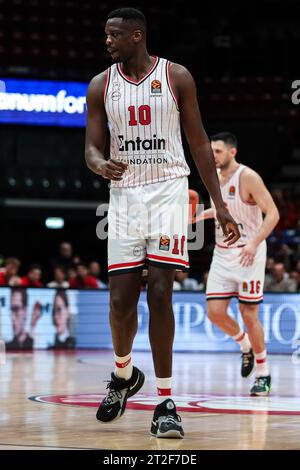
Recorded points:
206,214
96,133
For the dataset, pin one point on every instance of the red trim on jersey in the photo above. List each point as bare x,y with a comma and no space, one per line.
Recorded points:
251,298
165,258
170,85
121,365
248,203
137,82
163,392
260,361
125,265
227,247
106,83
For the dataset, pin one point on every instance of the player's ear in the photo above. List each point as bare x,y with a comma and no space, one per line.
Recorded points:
233,151
137,36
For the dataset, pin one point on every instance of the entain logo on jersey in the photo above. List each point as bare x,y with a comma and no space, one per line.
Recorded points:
164,243
141,144
155,87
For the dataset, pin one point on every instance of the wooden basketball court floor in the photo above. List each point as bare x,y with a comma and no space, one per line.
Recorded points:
48,401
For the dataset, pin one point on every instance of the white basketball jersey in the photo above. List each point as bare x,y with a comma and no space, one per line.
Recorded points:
144,123
247,215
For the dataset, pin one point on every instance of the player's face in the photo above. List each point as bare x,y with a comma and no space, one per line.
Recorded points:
223,153
119,40
18,311
61,315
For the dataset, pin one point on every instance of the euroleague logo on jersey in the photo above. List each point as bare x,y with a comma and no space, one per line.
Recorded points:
231,192
155,87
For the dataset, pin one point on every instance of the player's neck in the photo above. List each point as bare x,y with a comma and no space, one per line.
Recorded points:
227,172
138,66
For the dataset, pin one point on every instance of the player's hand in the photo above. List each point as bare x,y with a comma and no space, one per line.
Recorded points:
112,169
229,226
247,254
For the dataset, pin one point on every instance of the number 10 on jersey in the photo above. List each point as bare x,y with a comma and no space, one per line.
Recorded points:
142,115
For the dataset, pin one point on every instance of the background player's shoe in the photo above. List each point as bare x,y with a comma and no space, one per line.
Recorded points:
247,363
166,422
114,404
261,387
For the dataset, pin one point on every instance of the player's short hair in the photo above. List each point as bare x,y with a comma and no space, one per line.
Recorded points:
22,291
129,14
227,137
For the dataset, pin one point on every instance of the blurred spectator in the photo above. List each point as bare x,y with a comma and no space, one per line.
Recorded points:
9,275
282,253
83,280
65,257
295,276
279,281
18,305
59,281
76,260
71,273
287,208
183,282
33,277
269,268
95,272
204,282
269,264
61,320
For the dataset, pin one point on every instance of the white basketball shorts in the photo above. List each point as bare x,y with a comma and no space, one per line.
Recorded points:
148,225
227,278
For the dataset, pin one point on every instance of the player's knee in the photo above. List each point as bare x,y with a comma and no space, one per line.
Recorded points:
215,313
158,297
120,307
249,313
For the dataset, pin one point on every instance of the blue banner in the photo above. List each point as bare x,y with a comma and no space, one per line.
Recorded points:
279,314
43,103
50,319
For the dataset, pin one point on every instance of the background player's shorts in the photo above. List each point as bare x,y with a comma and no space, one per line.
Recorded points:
148,225
227,278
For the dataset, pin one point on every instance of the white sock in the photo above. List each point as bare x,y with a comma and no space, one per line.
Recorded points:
243,340
164,388
123,367
262,368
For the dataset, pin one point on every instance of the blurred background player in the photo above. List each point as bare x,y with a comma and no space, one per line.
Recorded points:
142,100
239,270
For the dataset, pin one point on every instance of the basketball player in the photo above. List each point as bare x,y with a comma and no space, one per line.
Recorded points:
238,270
141,99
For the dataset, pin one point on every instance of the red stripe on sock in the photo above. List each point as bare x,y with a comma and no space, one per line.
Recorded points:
241,337
261,361
164,391
121,365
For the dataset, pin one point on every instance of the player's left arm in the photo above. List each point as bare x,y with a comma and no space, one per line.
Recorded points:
256,191
185,90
